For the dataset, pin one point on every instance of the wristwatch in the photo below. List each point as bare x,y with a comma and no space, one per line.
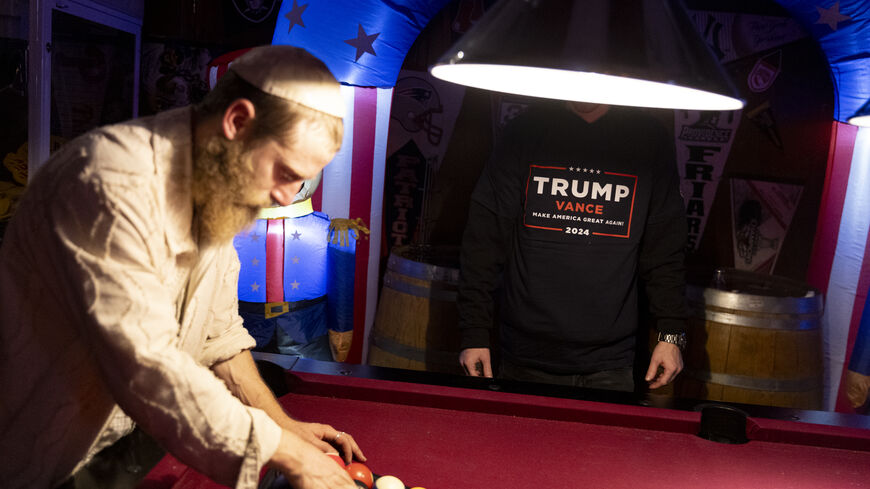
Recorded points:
678,339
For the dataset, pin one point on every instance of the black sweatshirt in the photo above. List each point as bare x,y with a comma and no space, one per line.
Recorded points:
566,220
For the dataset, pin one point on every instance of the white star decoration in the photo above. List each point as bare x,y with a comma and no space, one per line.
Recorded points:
255,287
255,262
831,16
294,284
295,259
584,170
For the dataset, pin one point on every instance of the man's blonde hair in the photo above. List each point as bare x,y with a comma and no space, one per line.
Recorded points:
275,117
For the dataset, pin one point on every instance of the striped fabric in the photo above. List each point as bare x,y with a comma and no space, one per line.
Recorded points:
840,267
353,186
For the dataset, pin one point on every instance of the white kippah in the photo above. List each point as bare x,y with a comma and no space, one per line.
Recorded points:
291,73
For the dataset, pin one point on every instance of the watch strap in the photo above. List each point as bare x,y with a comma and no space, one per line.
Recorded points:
678,339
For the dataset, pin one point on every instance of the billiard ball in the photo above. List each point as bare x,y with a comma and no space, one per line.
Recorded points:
389,482
337,458
359,472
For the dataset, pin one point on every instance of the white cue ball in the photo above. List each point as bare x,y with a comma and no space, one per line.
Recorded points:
389,482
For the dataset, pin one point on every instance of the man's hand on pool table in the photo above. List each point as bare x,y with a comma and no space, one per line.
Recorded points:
476,362
325,437
668,357
306,467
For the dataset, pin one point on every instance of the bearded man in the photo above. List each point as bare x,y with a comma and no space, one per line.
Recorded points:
118,285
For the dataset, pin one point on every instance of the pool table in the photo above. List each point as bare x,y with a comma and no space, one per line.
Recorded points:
445,432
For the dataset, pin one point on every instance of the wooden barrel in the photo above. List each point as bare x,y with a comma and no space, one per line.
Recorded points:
416,321
755,340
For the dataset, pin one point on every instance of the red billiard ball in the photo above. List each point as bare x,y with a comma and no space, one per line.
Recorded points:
359,472
337,458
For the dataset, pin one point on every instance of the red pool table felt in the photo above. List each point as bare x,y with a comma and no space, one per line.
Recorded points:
441,437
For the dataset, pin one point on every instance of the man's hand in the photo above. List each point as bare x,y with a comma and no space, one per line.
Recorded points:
306,467
242,378
668,357
857,386
326,438
476,362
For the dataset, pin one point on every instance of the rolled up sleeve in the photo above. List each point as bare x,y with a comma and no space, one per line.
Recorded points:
226,336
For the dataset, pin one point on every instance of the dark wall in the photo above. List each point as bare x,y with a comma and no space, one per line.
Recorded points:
230,24
783,135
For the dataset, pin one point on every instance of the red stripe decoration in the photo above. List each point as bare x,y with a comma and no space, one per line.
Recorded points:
364,126
275,260
831,208
219,66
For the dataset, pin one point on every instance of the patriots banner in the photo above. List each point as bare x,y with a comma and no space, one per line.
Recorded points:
423,116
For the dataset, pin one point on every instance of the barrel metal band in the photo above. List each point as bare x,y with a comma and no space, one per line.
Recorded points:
810,305
795,322
421,270
754,383
391,346
434,291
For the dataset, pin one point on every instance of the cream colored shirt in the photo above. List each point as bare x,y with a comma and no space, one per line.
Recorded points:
109,309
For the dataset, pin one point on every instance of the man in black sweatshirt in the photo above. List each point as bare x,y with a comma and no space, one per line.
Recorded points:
578,206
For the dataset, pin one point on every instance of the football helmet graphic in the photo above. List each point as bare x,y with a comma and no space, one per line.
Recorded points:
415,101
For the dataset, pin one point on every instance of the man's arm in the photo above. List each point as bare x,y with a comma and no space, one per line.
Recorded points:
481,262
241,376
112,259
662,263
495,203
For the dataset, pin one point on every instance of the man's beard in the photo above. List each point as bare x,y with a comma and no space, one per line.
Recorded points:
225,203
